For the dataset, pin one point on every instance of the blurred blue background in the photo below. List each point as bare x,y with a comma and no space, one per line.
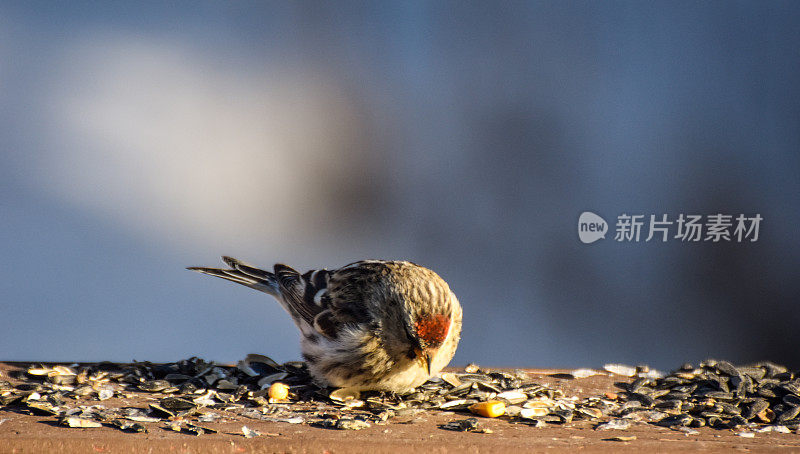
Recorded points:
139,138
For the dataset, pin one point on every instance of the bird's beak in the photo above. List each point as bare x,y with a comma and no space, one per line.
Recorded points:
424,357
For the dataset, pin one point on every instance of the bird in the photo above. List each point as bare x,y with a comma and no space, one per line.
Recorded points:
371,325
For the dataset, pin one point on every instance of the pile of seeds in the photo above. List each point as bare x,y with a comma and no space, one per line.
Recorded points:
188,395
717,394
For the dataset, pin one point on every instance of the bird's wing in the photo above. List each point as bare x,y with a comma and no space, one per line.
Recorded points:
330,300
351,289
321,299
305,295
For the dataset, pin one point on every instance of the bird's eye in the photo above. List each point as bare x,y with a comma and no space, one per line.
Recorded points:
414,340
409,334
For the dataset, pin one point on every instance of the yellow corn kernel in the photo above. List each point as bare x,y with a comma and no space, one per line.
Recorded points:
490,409
278,391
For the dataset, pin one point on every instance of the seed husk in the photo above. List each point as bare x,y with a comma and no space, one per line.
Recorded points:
620,369
155,385
465,425
344,424
755,408
76,422
250,433
615,424
128,426
620,438
344,394
535,412
788,414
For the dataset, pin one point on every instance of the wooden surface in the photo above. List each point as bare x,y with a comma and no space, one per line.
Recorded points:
27,433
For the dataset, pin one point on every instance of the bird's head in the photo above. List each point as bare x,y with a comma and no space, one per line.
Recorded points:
428,333
427,309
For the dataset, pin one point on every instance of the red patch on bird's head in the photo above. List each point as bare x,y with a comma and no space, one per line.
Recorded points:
433,329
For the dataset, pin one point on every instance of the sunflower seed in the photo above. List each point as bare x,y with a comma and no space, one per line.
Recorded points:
458,404
250,433
80,422
451,379
620,369
345,424
583,373
105,393
155,385
535,412
615,424
128,426
513,396
463,425
343,394
779,429
789,413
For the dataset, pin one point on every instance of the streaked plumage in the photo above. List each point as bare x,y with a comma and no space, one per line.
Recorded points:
373,324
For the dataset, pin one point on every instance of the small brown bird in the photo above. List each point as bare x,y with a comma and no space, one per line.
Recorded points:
370,325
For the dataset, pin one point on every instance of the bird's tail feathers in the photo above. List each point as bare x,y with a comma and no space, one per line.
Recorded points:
244,274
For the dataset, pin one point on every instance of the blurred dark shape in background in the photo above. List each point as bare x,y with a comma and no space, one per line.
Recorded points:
139,139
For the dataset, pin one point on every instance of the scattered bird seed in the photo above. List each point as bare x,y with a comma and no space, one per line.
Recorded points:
80,422
208,417
620,369
198,430
128,426
457,404
344,394
489,409
583,373
630,438
451,379
465,425
154,385
513,396
278,392
534,412
717,394
250,433
143,419
615,424
343,424
295,420
105,393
